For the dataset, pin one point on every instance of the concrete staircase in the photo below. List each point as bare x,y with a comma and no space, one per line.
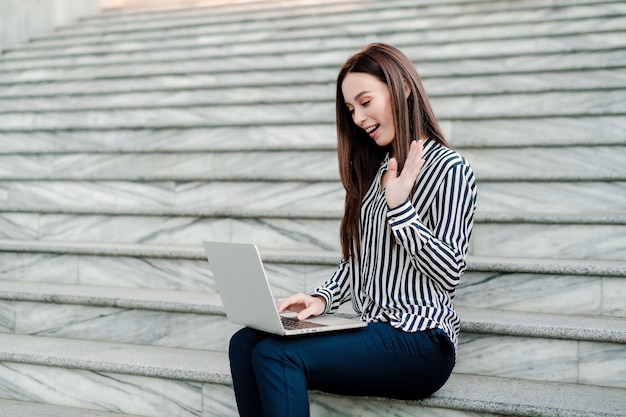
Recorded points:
127,139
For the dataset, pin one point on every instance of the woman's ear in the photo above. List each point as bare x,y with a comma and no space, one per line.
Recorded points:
407,89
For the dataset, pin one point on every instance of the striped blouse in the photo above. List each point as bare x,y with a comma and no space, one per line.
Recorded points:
412,256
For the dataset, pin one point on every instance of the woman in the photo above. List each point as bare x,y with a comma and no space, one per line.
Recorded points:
409,210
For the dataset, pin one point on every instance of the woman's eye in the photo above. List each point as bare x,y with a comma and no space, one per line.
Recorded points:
365,103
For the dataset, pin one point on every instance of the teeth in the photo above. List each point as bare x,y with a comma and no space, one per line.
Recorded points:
371,129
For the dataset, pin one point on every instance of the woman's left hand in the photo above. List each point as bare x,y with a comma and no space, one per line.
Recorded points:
398,187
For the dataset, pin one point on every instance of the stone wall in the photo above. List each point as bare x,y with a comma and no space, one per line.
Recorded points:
21,20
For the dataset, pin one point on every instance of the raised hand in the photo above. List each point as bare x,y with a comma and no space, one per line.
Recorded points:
398,187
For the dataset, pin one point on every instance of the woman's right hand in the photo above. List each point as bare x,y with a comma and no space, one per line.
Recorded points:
398,187
303,304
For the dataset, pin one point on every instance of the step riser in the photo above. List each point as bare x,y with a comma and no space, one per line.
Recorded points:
549,197
109,324
290,197
143,396
166,274
542,359
491,355
559,294
502,164
154,273
269,233
464,107
286,166
262,137
599,241
570,163
607,242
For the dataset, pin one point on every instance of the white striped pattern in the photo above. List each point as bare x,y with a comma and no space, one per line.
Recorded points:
412,257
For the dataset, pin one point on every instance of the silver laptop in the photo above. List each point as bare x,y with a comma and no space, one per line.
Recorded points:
245,291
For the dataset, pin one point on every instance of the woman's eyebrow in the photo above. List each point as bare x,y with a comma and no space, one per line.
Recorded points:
360,94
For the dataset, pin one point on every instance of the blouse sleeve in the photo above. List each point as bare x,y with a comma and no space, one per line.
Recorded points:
440,253
336,290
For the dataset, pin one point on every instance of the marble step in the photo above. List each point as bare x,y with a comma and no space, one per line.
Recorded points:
552,292
467,107
64,76
564,241
431,31
191,92
10,408
581,287
206,198
559,163
560,198
574,349
165,382
509,133
335,51
213,166
146,381
546,201
571,237
253,28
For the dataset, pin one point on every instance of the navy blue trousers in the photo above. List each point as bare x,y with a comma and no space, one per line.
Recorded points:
272,374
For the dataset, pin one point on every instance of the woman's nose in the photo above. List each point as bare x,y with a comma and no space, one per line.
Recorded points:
359,117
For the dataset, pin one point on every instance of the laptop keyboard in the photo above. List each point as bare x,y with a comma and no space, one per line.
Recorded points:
295,324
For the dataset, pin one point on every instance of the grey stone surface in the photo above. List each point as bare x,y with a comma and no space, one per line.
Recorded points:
151,361
462,392
10,408
127,140
559,326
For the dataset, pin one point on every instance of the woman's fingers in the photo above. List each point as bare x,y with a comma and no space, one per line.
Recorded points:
293,303
414,160
303,304
398,187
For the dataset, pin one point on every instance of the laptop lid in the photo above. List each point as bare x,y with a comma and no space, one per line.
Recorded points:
246,294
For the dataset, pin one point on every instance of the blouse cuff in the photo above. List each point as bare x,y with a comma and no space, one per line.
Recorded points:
402,216
326,295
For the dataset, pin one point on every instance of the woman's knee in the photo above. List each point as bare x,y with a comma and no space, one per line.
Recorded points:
266,350
243,342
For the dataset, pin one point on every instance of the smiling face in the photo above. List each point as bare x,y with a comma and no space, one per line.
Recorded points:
369,102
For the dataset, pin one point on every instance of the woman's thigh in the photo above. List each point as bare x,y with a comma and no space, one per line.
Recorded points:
378,360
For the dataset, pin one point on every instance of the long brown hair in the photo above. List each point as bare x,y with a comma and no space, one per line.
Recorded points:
359,156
